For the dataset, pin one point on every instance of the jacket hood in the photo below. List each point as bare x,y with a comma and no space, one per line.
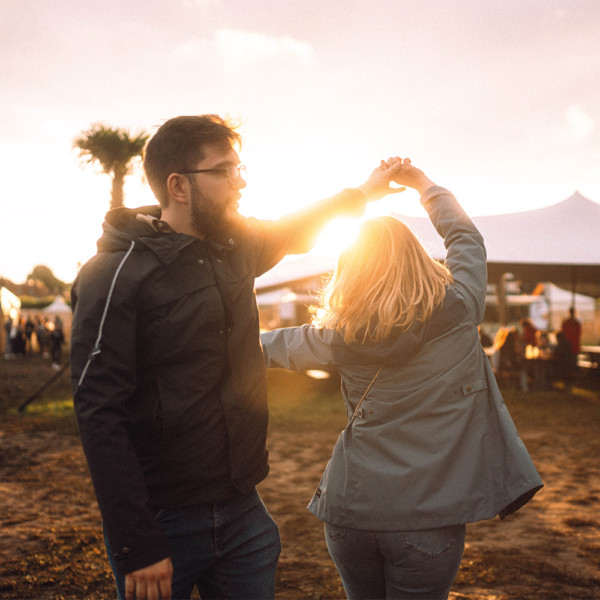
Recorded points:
122,226
401,345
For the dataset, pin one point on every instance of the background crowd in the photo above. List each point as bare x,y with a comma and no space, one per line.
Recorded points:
527,355
27,335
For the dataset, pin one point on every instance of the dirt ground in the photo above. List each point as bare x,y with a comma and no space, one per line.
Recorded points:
50,532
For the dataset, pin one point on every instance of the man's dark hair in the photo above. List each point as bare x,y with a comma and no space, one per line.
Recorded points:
180,143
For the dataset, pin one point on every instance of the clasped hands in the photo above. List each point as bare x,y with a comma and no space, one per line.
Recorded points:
397,170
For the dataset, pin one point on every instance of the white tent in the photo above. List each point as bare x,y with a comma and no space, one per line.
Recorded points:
558,243
59,308
551,306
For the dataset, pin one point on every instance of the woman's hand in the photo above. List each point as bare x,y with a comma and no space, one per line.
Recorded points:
378,184
402,172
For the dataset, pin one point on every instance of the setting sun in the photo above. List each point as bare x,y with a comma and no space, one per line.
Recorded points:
338,235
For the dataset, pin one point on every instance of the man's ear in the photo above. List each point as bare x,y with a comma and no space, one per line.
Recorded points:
178,187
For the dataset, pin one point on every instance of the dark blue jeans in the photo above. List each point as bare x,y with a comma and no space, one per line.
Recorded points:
407,565
229,550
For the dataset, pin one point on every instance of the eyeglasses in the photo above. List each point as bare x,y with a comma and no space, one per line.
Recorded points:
233,173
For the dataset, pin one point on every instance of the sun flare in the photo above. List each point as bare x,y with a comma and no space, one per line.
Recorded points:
338,235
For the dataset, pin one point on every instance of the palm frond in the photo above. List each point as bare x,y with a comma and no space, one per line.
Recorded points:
112,148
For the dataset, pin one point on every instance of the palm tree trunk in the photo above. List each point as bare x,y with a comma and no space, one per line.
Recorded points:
118,181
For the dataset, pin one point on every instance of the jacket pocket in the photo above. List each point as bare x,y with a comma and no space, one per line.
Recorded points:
473,387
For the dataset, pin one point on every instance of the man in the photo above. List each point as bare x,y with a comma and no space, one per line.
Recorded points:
168,375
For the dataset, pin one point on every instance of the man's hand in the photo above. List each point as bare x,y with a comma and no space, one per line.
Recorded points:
378,184
150,583
401,171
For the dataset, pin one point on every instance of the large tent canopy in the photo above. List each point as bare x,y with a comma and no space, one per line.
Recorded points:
558,243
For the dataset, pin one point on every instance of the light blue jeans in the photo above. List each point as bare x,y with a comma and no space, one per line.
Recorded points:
229,550
399,565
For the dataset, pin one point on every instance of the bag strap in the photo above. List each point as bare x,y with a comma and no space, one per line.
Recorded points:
365,395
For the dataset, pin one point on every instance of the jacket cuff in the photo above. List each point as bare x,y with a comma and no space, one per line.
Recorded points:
129,560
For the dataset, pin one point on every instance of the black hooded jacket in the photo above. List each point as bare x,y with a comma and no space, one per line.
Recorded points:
167,369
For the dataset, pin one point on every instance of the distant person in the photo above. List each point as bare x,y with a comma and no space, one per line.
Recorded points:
510,360
429,445
57,339
17,336
571,328
529,334
29,329
42,334
544,344
168,376
8,345
565,361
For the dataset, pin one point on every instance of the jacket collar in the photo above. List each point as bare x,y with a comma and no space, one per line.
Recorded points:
166,243
145,226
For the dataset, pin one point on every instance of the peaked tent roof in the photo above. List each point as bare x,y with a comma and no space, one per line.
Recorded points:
58,305
558,243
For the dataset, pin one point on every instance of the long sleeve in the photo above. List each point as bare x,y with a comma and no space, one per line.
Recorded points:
103,363
296,233
298,348
466,254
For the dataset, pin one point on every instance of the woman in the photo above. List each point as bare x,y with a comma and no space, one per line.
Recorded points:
431,445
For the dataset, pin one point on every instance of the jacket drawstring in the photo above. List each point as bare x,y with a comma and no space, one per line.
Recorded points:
96,349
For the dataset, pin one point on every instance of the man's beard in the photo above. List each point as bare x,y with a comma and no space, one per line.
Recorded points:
207,218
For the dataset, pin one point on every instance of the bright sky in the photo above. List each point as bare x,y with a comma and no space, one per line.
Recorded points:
497,100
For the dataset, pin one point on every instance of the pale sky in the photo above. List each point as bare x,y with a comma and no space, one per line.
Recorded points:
498,100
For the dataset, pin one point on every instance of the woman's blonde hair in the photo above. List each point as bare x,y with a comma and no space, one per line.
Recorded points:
384,280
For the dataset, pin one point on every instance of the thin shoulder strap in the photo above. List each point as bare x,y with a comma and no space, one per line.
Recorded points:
365,395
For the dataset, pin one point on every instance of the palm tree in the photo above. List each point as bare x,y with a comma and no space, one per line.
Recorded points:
114,149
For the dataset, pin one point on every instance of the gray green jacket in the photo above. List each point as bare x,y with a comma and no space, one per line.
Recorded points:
433,443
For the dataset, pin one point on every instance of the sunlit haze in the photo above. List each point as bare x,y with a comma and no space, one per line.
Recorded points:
497,101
